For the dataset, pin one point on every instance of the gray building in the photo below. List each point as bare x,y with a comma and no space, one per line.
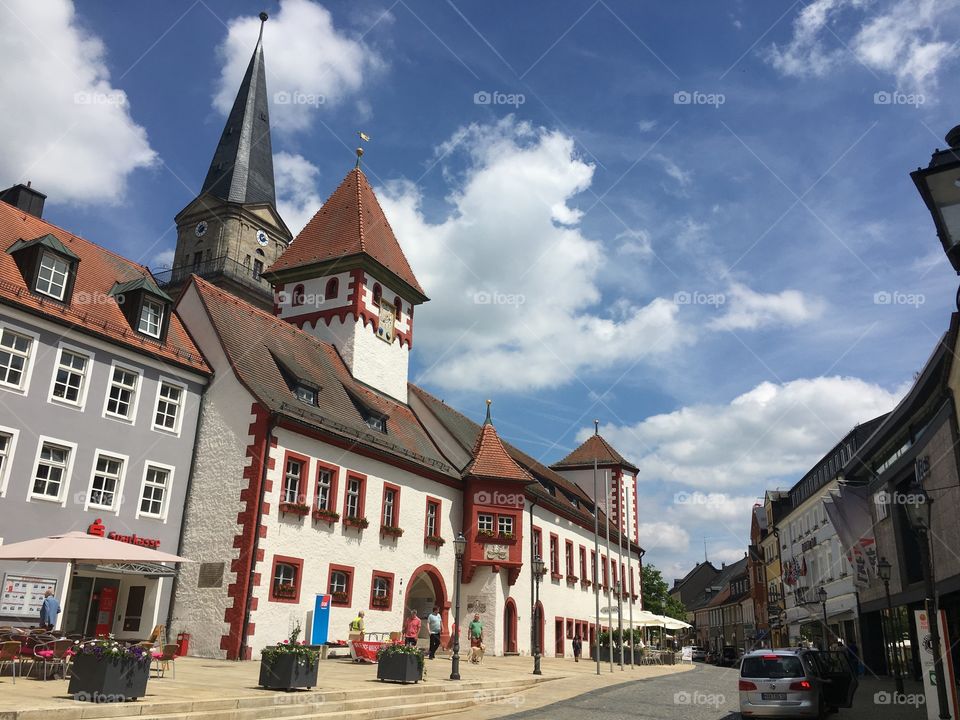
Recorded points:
100,388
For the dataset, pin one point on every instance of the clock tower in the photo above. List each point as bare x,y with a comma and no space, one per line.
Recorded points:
231,232
346,280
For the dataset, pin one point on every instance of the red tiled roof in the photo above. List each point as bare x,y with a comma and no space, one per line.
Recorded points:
92,309
594,448
491,459
350,223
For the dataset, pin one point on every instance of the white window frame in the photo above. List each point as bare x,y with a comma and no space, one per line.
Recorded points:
169,469
85,383
121,481
354,495
505,520
138,391
178,423
346,581
331,502
386,589
435,506
68,475
390,507
24,386
304,471
66,275
5,468
144,304
482,525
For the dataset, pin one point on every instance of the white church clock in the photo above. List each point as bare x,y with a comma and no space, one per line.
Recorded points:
388,319
262,238
201,229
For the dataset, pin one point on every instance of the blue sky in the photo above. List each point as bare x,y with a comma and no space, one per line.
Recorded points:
692,221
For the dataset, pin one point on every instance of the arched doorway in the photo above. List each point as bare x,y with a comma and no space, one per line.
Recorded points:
425,591
510,626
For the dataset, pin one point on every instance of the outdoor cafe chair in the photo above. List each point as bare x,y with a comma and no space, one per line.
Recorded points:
167,655
55,653
10,654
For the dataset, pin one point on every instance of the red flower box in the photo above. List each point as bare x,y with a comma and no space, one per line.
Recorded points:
555,576
356,522
339,598
391,530
434,540
286,590
330,516
572,579
294,508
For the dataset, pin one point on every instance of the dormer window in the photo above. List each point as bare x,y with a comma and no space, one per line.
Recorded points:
376,422
47,265
298,294
306,394
151,318
53,275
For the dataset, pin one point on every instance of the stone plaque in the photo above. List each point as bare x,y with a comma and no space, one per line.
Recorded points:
211,575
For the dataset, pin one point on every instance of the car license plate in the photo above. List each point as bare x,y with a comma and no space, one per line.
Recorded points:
774,696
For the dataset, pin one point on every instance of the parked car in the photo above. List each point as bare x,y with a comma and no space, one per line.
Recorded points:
795,682
697,653
727,657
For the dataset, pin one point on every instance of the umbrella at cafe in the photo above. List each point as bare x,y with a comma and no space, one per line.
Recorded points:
81,547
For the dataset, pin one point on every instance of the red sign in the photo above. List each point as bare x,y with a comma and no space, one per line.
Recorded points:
97,528
366,651
105,608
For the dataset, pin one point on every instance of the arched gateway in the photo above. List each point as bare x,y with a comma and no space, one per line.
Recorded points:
425,590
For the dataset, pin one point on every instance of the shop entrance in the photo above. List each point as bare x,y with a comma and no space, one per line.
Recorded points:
91,606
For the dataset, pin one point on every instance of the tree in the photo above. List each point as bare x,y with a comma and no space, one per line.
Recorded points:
656,595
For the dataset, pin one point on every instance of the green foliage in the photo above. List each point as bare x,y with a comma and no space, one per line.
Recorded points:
656,595
291,646
401,649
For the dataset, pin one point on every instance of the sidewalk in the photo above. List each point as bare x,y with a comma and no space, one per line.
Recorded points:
204,680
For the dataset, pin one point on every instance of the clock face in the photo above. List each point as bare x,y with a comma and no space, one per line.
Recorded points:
262,238
388,317
201,228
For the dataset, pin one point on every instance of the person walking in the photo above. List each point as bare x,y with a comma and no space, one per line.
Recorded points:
475,633
49,610
356,625
411,628
434,625
577,647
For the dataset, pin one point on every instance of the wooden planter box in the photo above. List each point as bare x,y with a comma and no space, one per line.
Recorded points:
108,679
605,654
399,668
287,672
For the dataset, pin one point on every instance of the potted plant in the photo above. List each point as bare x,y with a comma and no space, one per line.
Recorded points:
356,522
330,516
380,601
290,664
506,536
295,508
434,540
339,598
603,638
106,671
285,590
485,534
400,663
391,530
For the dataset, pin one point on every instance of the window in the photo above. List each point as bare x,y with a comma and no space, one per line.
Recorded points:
568,557
376,422
156,481
613,577
340,584
122,393
297,299
583,563
554,554
198,258
8,438
505,524
52,276
432,527
326,488
293,470
485,522
14,358
151,318
353,503
381,595
306,394
286,575
377,293
50,476
606,567
169,402
105,485
391,506
257,269
397,303
332,289
68,381
537,543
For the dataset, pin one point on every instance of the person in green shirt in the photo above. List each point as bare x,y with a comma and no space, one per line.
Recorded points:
356,625
475,633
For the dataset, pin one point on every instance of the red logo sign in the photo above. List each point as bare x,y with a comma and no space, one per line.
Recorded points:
97,528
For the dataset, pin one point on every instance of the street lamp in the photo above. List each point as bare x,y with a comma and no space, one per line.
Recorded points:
537,640
883,569
459,547
822,594
918,510
939,186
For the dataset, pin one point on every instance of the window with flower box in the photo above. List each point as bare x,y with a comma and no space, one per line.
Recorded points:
431,524
568,558
285,579
537,542
292,492
593,566
555,556
505,526
354,501
340,584
325,497
584,578
390,511
485,524
381,590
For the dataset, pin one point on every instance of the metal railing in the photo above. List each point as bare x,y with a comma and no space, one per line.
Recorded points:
212,269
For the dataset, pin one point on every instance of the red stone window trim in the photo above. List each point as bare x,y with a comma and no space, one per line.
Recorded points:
279,579
569,629
342,595
593,566
554,556
537,541
380,601
287,494
348,498
583,564
435,531
606,571
390,516
334,472
568,557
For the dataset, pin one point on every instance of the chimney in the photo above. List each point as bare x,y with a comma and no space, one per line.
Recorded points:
25,198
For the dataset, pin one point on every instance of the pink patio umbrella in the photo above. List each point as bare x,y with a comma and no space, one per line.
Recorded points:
81,547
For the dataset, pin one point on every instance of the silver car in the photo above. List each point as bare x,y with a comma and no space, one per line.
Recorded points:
795,682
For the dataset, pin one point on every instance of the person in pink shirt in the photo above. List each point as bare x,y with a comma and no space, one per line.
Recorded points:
411,628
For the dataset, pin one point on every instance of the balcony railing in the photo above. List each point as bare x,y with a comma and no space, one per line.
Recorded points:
216,268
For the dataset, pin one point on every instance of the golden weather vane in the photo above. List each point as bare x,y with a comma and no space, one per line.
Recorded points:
364,138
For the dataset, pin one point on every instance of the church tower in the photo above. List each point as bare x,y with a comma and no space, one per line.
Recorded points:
346,280
231,232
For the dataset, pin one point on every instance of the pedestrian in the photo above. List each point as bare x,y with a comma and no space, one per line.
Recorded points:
411,628
475,633
356,625
434,624
49,610
577,647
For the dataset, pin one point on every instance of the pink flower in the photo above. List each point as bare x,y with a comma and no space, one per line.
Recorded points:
286,642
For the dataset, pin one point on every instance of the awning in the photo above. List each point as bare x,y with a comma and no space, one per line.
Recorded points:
81,547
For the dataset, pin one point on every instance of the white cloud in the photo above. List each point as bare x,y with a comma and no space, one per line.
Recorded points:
683,177
663,536
746,309
310,63
163,259
773,431
635,243
535,321
66,127
296,180
898,37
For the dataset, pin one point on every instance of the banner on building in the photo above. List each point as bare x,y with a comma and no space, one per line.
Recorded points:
927,665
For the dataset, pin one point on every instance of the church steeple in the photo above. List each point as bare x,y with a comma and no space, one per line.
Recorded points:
242,167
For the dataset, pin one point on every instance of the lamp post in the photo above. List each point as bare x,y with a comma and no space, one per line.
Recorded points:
459,547
537,640
918,512
883,569
619,591
822,594
939,186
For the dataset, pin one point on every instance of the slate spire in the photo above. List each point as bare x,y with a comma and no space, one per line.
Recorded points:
242,167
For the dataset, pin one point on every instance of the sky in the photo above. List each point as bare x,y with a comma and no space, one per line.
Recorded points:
691,221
